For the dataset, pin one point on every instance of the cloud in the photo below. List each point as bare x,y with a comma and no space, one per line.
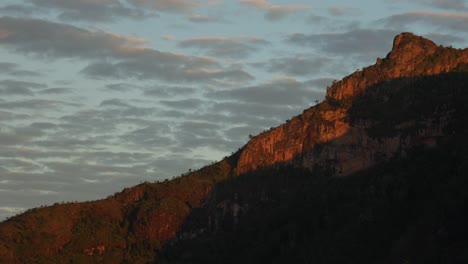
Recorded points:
259,4
341,10
114,102
448,4
168,37
204,19
171,6
442,4
36,104
440,20
274,12
56,91
49,39
14,87
111,55
316,19
444,39
23,10
367,42
187,104
18,135
8,68
167,91
200,129
319,83
240,47
80,10
158,134
296,66
154,69
241,133
271,93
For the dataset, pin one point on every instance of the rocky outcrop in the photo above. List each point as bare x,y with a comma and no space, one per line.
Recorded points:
410,56
329,135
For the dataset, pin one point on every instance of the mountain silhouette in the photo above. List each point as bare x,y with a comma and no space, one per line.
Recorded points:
373,174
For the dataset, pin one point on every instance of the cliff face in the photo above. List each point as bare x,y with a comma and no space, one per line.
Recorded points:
328,134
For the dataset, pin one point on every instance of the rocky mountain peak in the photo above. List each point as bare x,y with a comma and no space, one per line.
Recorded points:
409,48
295,142
410,56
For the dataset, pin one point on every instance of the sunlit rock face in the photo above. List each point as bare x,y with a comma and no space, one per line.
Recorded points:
330,135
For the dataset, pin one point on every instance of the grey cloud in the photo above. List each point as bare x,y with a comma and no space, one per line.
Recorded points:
132,60
9,138
171,6
114,102
105,120
67,143
187,104
150,137
59,40
19,135
319,83
108,157
297,66
259,115
154,69
190,141
341,10
19,165
11,116
86,170
81,10
440,20
241,133
43,125
152,90
443,4
366,42
14,87
167,91
444,39
56,91
200,128
138,112
229,114
449,4
9,68
275,13
277,92
18,10
36,104
204,19
316,19
240,47
120,87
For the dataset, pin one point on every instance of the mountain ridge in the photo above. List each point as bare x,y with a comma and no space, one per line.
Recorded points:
347,133
409,51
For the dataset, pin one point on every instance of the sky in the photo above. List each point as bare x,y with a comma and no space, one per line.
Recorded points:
98,95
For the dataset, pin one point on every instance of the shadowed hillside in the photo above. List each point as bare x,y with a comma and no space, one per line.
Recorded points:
396,130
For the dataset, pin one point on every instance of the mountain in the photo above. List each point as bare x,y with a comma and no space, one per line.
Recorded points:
374,174
328,125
